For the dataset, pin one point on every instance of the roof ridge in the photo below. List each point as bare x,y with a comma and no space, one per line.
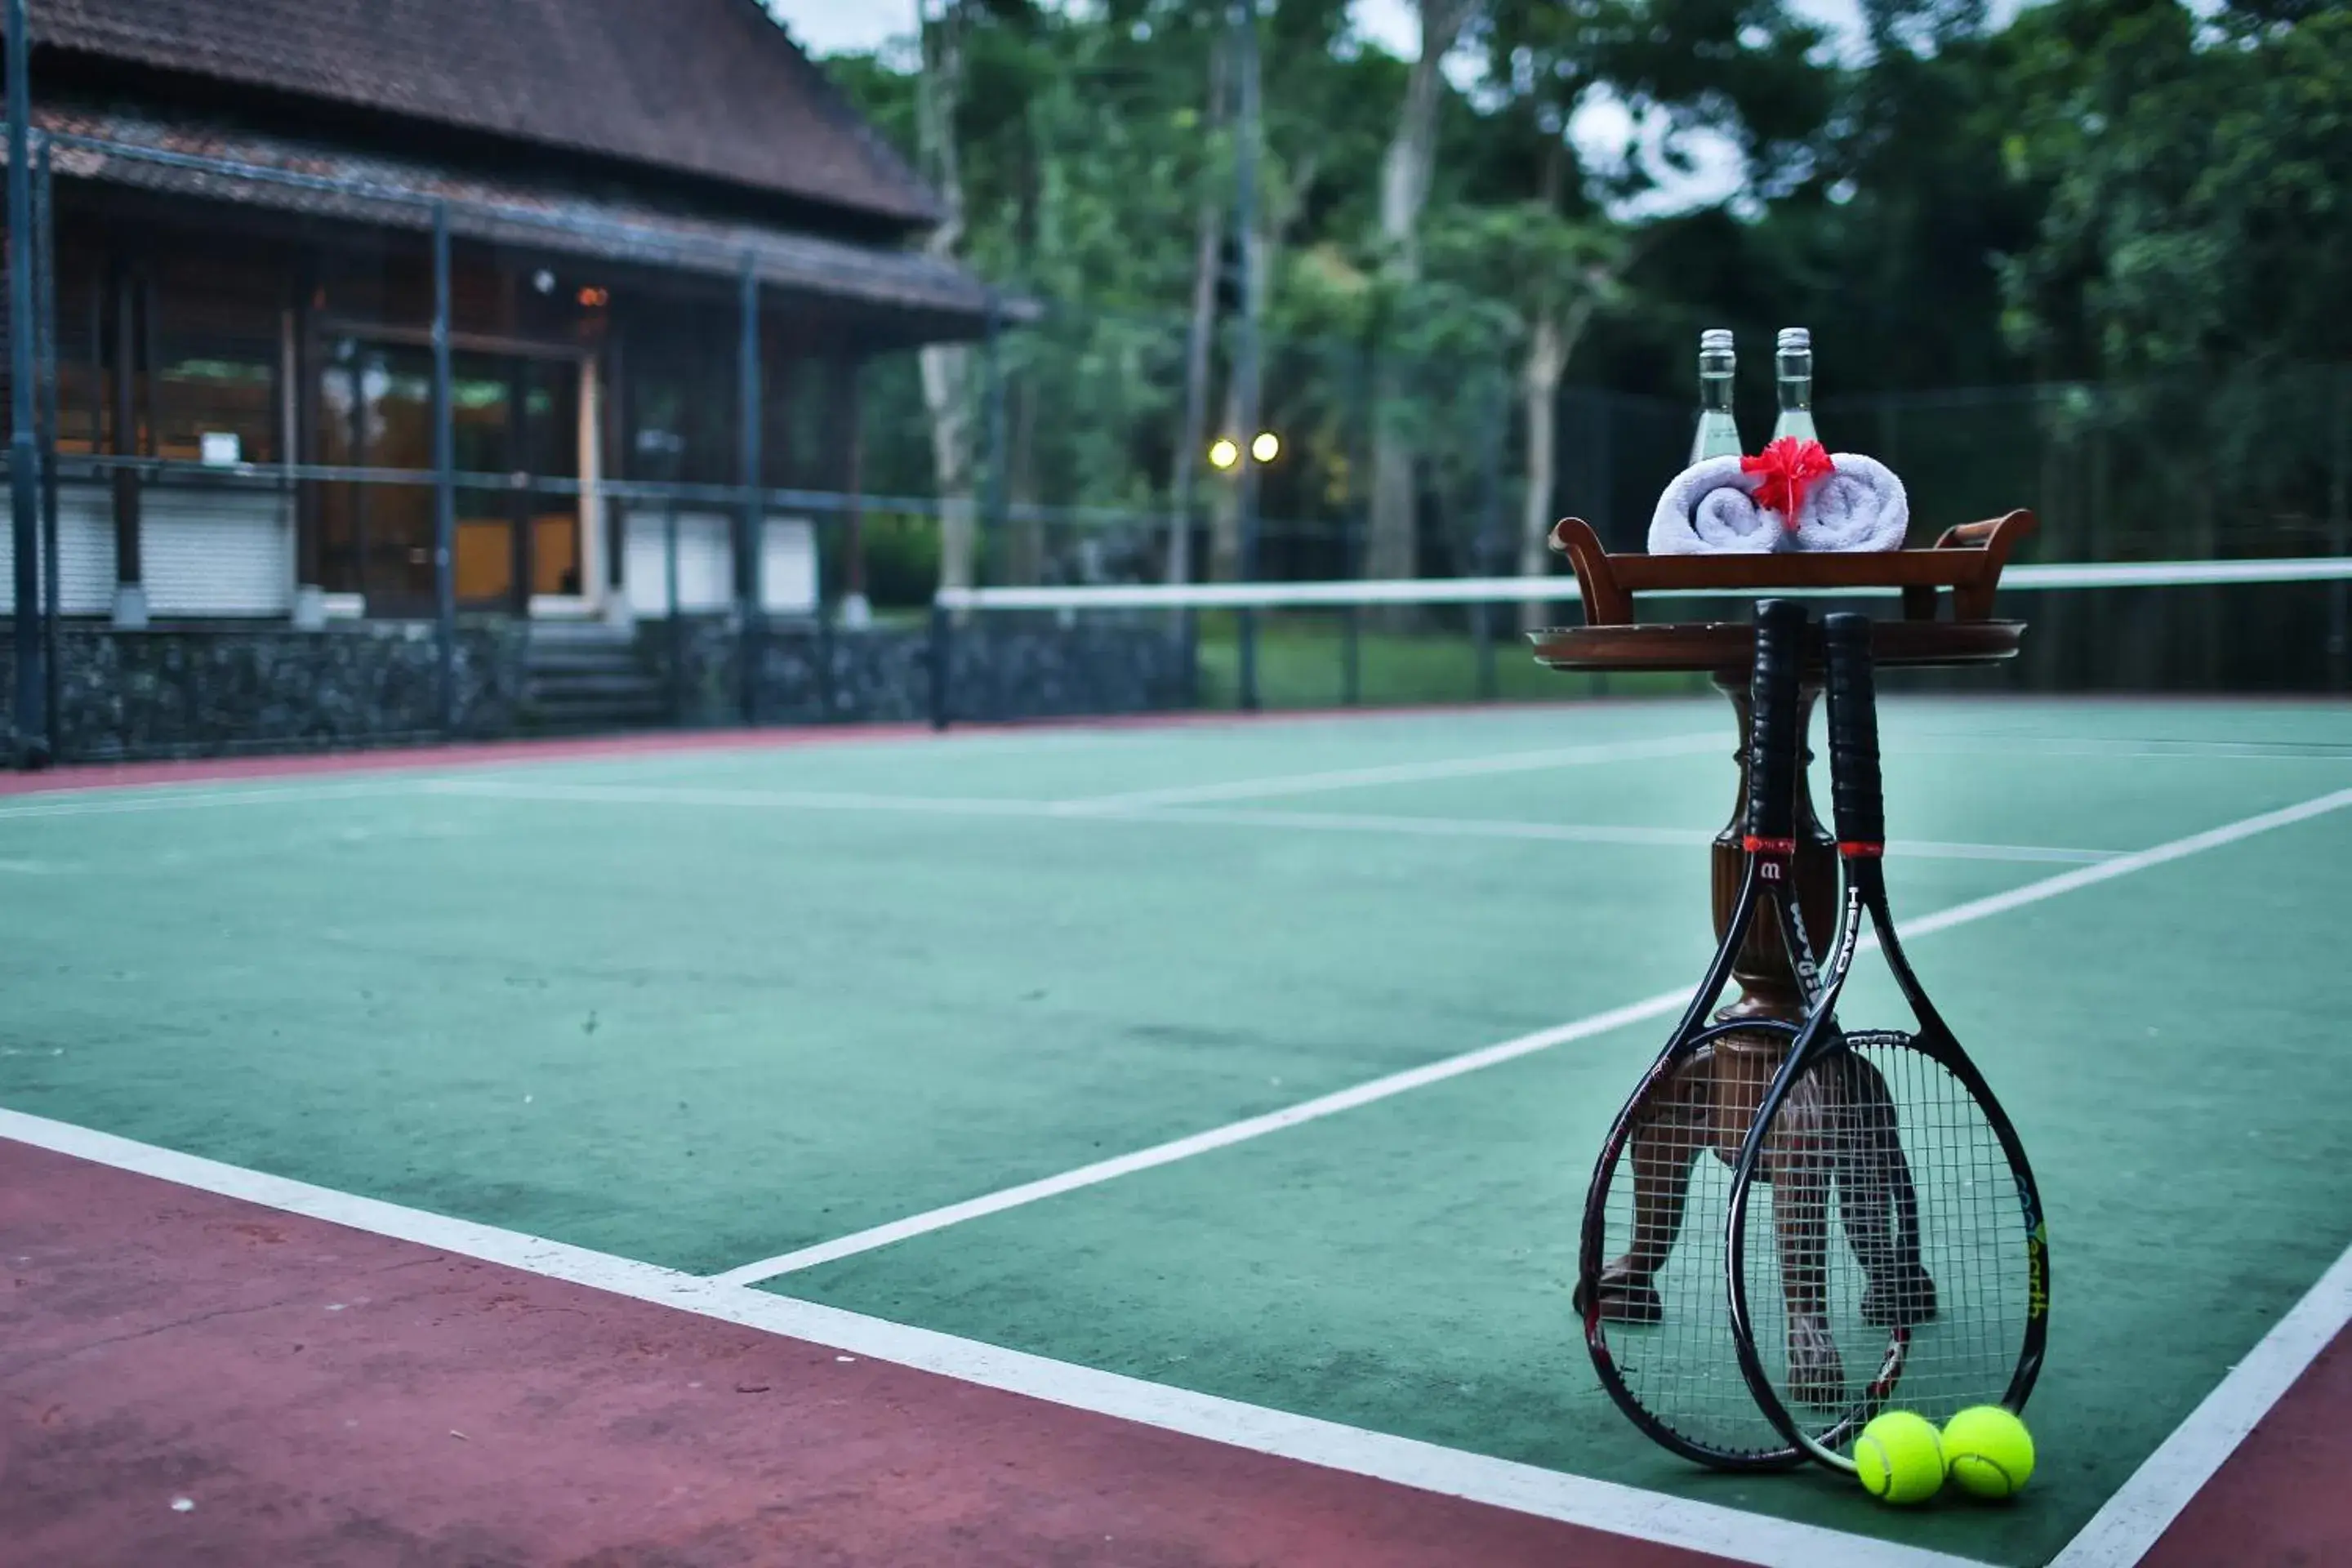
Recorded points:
678,86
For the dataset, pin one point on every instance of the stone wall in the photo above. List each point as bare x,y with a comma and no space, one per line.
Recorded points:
209,690
812,674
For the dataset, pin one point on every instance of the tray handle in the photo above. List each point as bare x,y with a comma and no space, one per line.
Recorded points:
1606,602
1996,536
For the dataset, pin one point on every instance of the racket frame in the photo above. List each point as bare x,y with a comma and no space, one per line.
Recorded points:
1859,804
1767,883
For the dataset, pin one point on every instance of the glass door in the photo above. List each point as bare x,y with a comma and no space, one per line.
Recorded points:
515,418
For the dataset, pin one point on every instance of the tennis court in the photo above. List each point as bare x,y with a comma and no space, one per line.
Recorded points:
1228,1084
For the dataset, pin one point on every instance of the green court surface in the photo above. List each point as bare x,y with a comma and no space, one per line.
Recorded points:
705,1008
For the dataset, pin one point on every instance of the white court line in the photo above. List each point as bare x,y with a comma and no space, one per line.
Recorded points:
1571,832
2025,746
1346,822
175,797
1224,1137
709,795
2134,1518
1748,1538
1408,772
1380,1089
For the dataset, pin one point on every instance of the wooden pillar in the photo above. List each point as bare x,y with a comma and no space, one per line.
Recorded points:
617,465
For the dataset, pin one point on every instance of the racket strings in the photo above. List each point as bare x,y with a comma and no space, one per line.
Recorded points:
1887,1251
1666,1321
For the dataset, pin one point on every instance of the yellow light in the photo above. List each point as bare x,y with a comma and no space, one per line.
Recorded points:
1266,448
1223,454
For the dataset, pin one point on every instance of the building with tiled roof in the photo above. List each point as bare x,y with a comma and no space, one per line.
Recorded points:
659,217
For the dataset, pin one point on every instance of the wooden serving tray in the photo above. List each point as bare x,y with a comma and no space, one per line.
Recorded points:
1967,559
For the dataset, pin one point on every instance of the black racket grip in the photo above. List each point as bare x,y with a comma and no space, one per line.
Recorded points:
1772,723
1855,789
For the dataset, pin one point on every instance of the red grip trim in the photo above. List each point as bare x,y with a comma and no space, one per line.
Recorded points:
1857,850
1755,845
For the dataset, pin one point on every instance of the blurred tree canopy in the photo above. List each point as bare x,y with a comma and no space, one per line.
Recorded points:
2120,190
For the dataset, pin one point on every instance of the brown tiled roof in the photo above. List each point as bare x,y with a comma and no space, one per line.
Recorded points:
712,88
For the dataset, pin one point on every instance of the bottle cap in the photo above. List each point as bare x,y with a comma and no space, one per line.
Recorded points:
1715,339
1795,338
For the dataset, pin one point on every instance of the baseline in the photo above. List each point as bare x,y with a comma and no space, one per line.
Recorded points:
1758,1539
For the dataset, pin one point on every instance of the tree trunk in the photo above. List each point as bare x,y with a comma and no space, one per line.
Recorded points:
1392,551
1539,394
947,367
947,383
1550,347
1227,547
1200,337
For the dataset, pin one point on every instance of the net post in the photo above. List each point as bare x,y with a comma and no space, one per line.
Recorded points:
445,480
943,653
31,723
752,557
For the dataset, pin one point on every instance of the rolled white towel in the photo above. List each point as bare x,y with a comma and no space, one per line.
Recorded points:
1859,505
1709,509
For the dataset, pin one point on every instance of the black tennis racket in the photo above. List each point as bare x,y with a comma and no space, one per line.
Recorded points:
1651,1264
1885,1241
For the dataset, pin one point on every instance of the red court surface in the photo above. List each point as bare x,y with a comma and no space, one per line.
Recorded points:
2284,1498
317,1395
189,1378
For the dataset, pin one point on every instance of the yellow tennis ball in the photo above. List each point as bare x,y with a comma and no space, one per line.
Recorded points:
1899,1457
1989,1451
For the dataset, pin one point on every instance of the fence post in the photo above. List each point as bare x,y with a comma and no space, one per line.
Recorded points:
1482,612
444,478
1360,463
2339,502
752,556
995,512
942,656
45,287
31,723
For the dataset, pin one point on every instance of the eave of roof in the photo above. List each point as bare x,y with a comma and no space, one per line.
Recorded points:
310,179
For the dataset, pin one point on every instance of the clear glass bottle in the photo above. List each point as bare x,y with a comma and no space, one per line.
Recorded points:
1793,364
1718,429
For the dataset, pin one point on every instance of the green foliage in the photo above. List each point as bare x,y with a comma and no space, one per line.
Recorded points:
2110,189
2199,187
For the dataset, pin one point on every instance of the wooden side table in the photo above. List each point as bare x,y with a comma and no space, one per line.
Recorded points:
1728,1082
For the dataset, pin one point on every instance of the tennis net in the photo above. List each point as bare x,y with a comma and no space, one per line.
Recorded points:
2241,626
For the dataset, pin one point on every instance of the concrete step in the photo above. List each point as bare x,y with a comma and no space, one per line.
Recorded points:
582,655
569,634
584,677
